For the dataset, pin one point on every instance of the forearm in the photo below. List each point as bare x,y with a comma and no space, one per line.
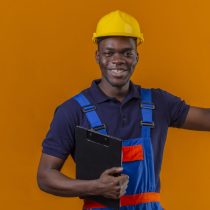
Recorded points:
208,119
198,119
54,182
51,180
204,123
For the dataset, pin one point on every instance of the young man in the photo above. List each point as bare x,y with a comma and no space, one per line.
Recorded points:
139,116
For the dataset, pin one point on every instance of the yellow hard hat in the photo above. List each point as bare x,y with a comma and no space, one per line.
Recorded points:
118,23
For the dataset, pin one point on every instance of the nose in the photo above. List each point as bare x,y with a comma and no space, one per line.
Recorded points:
118,59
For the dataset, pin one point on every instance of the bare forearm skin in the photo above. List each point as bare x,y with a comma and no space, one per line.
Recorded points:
51,180
198,119
208,119
56,183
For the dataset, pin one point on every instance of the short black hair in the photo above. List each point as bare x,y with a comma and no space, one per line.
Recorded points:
99,39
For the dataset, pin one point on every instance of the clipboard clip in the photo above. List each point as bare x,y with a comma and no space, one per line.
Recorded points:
97,138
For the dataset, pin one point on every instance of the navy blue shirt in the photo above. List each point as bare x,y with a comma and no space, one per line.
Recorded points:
121,119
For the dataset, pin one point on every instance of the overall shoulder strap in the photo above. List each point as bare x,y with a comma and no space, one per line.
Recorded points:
147,123
146,109
90,112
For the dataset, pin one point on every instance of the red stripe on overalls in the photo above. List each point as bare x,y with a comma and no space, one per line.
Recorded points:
132,153
128,200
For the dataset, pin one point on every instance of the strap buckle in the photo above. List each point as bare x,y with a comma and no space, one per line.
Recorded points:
99,127
88,108
151,124
147,105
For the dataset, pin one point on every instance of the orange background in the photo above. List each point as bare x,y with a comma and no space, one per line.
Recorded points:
46,56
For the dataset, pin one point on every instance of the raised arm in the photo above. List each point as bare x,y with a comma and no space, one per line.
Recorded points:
197,119
51,180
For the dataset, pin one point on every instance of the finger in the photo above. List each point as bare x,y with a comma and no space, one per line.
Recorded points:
124,187
113,195
125,183
123,179
113,170
122,192
118,195
117,189
116,182
125,176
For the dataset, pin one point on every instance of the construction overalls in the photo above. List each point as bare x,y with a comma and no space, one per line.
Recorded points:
137,162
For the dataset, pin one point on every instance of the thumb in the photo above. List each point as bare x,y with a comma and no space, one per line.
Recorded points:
114,170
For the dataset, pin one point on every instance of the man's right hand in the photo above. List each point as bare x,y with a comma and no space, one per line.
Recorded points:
111,186
51,180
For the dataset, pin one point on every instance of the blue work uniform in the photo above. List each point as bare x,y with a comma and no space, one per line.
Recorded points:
122,119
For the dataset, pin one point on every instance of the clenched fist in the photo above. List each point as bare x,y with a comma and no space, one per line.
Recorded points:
110,186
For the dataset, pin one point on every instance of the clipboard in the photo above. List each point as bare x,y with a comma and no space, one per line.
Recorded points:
94,153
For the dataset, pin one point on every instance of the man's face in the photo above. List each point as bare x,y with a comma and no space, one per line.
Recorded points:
117,58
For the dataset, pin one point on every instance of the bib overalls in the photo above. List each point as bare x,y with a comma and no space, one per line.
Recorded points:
138,161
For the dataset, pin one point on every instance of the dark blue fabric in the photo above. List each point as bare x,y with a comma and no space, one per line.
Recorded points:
140,172
122,120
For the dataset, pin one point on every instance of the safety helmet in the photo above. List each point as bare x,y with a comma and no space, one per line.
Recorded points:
118,23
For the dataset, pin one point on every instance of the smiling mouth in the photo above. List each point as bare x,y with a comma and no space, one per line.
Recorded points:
118,72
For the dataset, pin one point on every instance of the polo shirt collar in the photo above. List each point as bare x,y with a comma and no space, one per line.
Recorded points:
99,96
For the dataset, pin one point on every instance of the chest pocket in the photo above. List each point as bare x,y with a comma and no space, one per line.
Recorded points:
132,153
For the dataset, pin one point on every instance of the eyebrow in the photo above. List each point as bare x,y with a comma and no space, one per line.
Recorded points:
124,49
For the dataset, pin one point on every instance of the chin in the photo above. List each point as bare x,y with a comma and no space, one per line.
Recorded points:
119,84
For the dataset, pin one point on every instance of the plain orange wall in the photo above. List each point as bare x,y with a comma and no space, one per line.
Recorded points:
46,56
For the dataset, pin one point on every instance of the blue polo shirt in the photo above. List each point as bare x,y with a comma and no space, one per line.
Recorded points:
122,120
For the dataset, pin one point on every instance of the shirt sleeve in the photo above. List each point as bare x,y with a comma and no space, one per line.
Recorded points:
59,141
177,109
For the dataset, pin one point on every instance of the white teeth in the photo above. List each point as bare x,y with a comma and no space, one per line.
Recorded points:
117,70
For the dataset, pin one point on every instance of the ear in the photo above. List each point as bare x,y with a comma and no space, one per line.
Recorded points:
137,57
97,56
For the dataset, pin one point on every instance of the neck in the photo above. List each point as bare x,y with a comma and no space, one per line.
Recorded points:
118,92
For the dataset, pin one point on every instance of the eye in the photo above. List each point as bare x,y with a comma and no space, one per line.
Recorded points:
108,53
128,53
